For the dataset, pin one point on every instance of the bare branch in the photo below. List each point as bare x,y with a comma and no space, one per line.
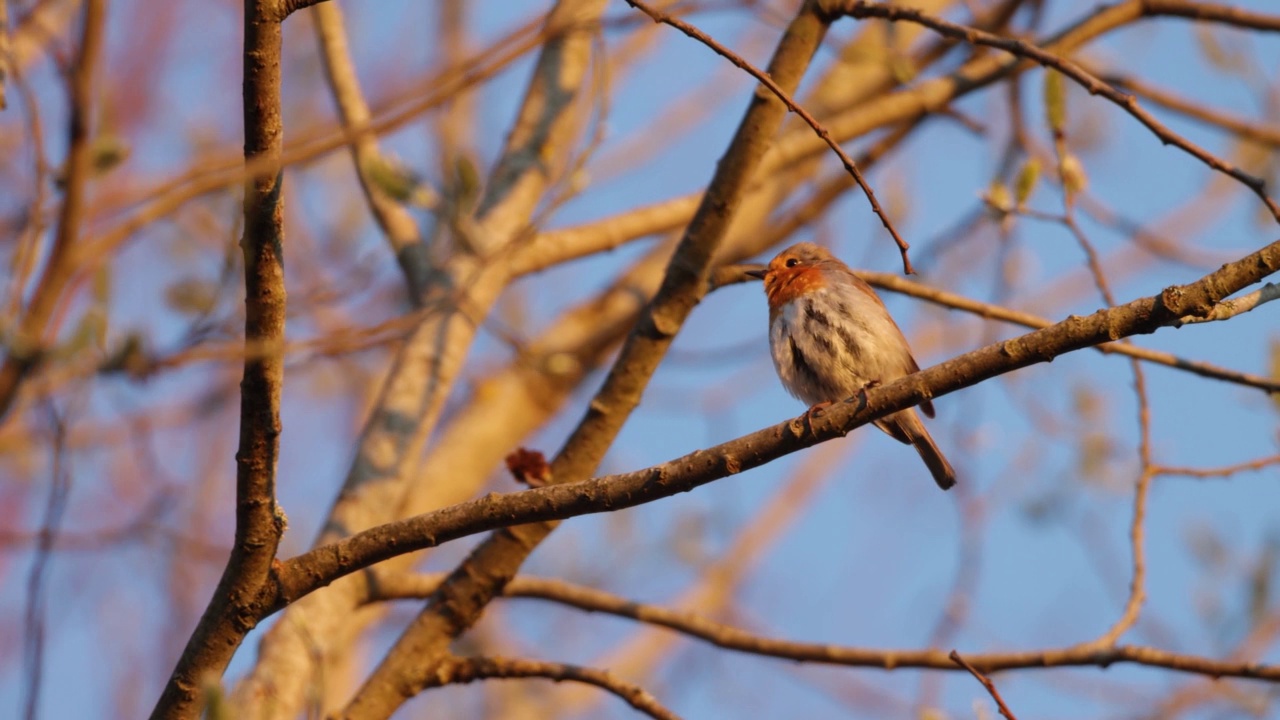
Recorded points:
1222,472
986,683
235,605
1228,309
888,281
1243,127
849,165
1225,14
695,625
1095,86
399,227
23,351
466,670
308,572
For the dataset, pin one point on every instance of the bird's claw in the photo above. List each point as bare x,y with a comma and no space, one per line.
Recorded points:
814,412
861,395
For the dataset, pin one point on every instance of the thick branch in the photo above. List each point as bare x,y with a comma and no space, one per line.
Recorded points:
306,573
235,606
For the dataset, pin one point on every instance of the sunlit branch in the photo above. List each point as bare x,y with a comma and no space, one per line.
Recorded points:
695,625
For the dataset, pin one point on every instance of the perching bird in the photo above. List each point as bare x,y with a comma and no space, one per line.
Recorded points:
831,337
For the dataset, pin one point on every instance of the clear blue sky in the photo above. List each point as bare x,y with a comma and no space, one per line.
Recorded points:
873,557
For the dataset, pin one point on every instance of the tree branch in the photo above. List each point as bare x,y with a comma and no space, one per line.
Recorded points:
893,283
1095,86
423,372
236,604
306,573
397,225
24,349
405,586
849,165
457,670
986,683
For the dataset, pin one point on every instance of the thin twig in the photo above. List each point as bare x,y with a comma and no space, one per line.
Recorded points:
470,669
50,525
1090,82
1221,472
1225,14
1137,529
849,165
888,281
986,683
1242,127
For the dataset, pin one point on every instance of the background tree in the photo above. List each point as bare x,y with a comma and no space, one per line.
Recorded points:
466,234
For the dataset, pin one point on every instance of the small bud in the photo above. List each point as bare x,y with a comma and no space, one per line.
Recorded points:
1074,179
998,197
1025,184
1055,101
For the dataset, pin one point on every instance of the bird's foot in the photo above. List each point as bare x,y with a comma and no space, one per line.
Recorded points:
861,396
815,412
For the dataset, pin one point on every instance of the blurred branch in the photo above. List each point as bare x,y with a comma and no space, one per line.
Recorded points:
308,572
462,599
1221,472
1243,127
236,604
5,53
166,197
45,21
34,617
1213,12
860,9
1137,528
554,247
397,225
849,165
24,347
459,670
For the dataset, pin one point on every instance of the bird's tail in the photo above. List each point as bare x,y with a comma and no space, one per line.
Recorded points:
943,473
906,427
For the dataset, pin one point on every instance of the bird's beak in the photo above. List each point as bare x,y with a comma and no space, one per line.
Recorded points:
758,274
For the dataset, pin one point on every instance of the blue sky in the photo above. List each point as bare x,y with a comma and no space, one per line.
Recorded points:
871,559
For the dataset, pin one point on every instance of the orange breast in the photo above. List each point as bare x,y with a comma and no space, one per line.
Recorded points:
790,283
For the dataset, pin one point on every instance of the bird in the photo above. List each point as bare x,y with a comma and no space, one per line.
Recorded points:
831,338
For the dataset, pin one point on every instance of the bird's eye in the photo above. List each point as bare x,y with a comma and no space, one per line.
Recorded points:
792,262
